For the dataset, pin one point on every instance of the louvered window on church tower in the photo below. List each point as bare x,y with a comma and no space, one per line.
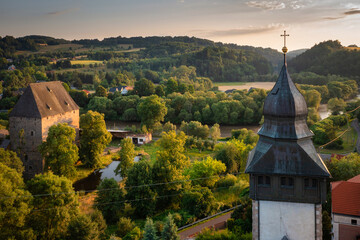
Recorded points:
264,181
287,182
310,183
260,180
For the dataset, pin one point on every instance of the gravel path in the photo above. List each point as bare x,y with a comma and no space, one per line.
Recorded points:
355,125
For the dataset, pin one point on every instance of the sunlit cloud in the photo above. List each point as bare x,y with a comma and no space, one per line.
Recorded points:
278,5
266,5
246,31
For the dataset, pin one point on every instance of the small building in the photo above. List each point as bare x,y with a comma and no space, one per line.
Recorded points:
3,133
140,139
346,209
12,67
41,106
126,90
122,89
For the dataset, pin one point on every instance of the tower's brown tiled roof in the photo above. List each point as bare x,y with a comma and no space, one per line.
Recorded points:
346,197
42,100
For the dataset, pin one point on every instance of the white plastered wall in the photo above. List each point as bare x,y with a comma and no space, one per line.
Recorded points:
279,219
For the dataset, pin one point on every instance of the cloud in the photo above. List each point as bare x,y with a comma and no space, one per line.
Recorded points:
245,31
352,12
333,18
278,5
55,13
266,5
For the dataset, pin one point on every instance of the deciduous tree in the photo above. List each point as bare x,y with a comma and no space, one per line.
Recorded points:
94,138
52,211
151,110
110,199
127,154
60,151
141,175
15,205
10,159
208,170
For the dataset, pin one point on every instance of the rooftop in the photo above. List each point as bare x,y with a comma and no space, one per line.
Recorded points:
42,100
346,197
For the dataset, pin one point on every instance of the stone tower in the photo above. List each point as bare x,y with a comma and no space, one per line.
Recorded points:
287,176
41,106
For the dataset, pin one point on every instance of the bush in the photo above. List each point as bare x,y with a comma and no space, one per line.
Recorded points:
208,234
227,181
239,186
124,226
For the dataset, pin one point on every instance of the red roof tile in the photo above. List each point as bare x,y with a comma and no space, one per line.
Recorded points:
346,198
355,179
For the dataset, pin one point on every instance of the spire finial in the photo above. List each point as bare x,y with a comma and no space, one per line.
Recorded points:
284,49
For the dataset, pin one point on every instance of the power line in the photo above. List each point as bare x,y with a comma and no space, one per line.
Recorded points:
342,133
115,202
126,187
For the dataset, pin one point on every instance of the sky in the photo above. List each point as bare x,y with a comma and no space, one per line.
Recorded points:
243,22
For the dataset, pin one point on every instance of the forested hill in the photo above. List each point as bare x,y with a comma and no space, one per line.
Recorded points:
152,46
328,57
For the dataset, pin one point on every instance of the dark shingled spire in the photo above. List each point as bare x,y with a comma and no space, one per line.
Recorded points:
285,146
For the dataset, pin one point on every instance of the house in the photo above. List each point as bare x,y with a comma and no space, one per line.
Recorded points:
126,89
12,67
122,89
140,139
3,133
346,209
41,106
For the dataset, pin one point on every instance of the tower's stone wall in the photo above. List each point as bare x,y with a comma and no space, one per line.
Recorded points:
35,131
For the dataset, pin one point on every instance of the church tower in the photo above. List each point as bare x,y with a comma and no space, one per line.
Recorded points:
287,176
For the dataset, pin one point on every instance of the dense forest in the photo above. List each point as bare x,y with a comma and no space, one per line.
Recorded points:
172,89
329,58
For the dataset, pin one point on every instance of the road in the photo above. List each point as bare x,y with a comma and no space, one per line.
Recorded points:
217,223
355,125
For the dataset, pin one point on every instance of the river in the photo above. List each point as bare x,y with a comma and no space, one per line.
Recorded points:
92,181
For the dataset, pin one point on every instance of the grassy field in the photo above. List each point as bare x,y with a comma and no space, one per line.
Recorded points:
83,172
349,142
150,149
216,84
353,48
85,62
245,86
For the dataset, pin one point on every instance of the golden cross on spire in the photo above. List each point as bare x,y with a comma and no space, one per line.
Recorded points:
284,49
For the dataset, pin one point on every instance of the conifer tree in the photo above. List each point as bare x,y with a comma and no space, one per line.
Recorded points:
149,230
170,229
